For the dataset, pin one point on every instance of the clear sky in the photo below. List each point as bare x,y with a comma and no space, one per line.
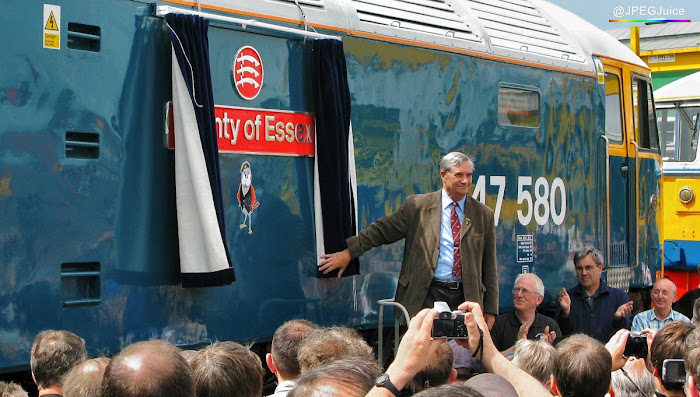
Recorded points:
599,12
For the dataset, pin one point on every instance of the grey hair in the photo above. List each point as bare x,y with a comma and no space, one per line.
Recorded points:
539,285
627,387
454,159
536,357
589,250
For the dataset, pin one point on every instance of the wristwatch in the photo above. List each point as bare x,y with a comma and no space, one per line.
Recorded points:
384,381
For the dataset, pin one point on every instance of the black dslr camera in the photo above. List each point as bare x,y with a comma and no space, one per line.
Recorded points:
636,345
449,324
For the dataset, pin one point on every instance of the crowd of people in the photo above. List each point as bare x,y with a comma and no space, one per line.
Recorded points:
581,351
523,354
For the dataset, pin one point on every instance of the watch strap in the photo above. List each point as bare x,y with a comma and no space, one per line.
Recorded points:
384,381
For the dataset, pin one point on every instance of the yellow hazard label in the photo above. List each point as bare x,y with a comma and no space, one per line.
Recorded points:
51,23
52,40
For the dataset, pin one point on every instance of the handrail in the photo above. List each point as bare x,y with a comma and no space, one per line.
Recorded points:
636,199
380,327
607,197
163,10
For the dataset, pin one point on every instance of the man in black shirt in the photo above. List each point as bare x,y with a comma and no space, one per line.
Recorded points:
524,322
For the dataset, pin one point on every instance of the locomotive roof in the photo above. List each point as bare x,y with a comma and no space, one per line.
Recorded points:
686,88
533,31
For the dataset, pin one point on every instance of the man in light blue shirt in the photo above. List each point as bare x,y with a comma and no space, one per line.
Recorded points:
663,295
443,271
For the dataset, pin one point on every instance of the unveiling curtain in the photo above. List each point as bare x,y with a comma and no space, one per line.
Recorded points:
204,254
335,185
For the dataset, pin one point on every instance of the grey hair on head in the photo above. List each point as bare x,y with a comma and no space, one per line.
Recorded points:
539,285
454,159
589,250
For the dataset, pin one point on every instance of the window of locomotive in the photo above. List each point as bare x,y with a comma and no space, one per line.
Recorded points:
518,107
645,130
678,141
613,108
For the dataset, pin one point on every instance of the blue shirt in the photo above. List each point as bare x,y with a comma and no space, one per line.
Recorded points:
594,316
648,319
443,271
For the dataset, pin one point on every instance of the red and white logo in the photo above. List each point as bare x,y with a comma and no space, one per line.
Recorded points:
248,72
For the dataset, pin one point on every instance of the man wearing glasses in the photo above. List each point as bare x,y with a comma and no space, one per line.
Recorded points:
592,307
663,295
524,322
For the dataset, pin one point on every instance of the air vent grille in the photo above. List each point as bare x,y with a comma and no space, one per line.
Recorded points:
518,25
80,284
84,37
82,145
425,16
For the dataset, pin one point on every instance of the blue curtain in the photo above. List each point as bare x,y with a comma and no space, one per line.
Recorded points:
332,111
191,46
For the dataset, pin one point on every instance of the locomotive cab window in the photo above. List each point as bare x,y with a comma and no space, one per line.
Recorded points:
613,112
678,132
645,131
518,107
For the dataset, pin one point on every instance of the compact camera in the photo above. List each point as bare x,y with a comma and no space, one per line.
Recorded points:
673,371
449,324
636,345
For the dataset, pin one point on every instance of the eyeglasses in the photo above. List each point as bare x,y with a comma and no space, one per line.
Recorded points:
525,292
660,292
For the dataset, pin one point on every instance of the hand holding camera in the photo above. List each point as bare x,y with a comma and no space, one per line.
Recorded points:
448,324
636,345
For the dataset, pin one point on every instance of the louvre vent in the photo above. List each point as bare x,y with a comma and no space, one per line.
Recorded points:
518,25
82,145
80,284
84,37
425,16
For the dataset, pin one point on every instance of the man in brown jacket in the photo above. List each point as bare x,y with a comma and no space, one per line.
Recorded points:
450,246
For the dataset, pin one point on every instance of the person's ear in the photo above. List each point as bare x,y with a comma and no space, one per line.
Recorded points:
453,376
548,384
691,388
271,363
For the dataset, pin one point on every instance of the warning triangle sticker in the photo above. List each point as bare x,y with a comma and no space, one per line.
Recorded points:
51,23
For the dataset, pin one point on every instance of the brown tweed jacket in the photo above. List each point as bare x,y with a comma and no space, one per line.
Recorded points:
418,222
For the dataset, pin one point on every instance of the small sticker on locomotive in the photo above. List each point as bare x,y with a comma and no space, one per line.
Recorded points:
52,26
525,247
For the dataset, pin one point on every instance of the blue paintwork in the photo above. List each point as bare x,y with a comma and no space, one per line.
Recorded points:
410,107
681,254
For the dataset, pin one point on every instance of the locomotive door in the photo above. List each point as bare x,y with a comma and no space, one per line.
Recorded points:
620,179
647,162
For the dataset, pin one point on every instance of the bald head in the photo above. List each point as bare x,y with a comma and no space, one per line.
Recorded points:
663,294
85,379
153,368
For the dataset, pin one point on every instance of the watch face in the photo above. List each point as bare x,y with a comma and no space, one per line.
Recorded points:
381,379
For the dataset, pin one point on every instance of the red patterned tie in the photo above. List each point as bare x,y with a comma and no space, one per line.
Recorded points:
456,226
